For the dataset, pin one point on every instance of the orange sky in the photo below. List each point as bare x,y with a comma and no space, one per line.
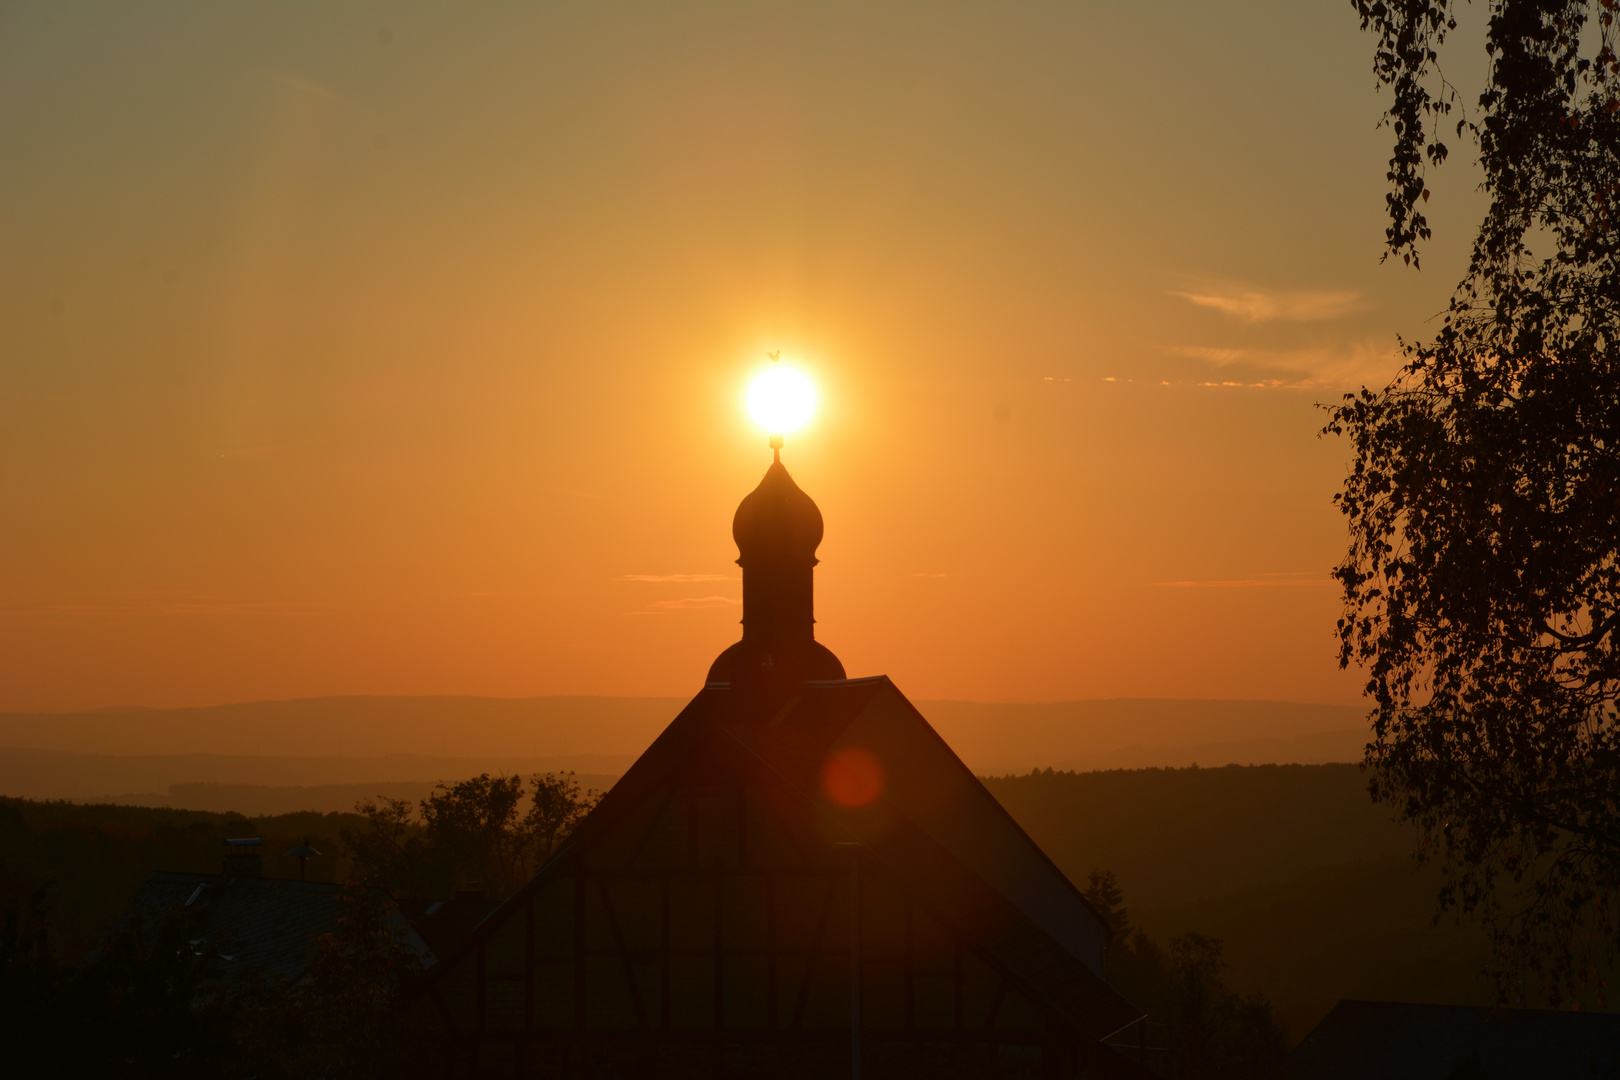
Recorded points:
387,349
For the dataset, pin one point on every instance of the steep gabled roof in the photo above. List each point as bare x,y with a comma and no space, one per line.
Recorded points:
929,786
933,826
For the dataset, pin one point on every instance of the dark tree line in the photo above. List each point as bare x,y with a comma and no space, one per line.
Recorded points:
489,833
150,1002
1214,1033
1482,581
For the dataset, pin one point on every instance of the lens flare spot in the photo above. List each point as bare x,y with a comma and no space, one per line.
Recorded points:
852,778
781,399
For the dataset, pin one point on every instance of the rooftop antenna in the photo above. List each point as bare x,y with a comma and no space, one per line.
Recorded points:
303,853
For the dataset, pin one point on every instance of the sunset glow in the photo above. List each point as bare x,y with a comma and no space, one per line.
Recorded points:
801,538
418,366
781,400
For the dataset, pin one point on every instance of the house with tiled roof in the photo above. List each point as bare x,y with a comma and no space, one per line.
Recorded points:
247,923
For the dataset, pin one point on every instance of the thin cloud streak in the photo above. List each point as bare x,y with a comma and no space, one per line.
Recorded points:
666,579
160,608
1255,581
1255,306
1340,366
1213,355
687,603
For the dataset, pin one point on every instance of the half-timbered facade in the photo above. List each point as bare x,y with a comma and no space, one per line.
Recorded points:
797,879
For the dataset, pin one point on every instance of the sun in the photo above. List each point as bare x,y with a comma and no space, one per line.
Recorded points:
781,399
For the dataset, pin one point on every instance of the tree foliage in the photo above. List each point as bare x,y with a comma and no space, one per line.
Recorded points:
476,832
340,1019
1481,585
1106,898
1213,1033
150,1003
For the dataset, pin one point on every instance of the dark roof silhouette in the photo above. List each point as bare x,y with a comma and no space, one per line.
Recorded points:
795,860
445,924
1388,1040
934,818
252,924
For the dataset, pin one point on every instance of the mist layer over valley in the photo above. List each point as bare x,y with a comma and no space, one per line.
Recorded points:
228,757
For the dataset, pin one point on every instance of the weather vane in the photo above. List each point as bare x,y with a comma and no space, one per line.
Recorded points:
780,399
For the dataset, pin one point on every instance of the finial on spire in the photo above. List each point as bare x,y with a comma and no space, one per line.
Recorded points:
781,400
776,440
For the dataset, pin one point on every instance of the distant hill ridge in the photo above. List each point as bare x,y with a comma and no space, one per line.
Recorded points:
990,737
349,740
357,727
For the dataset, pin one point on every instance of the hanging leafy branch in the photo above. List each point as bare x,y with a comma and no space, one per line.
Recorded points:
1481,583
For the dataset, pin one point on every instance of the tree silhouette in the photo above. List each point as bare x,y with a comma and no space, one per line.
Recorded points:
1482,581
1108,901
340,1019
476,832
1214,1033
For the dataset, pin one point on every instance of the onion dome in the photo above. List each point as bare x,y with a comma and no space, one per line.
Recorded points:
777,528
777,522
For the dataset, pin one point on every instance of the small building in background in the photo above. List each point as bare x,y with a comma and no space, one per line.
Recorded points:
799,878
246,923
446,924
1389,1040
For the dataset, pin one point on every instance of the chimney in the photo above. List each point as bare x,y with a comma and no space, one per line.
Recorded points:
242,858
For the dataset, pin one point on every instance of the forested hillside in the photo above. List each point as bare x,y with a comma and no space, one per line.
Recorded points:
87,861
1306,882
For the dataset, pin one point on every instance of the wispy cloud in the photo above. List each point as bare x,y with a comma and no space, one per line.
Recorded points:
1253,581
1261,306
127,605
1213,355
668,579
1339,365
686,603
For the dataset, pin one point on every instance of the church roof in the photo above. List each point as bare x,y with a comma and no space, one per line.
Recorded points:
930,824
779,782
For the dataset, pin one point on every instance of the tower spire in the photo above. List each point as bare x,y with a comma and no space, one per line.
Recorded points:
776,440
777,528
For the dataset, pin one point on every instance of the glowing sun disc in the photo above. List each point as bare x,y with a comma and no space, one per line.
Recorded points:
781,400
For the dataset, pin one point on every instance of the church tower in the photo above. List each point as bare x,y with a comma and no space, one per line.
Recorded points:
777,529
797,879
